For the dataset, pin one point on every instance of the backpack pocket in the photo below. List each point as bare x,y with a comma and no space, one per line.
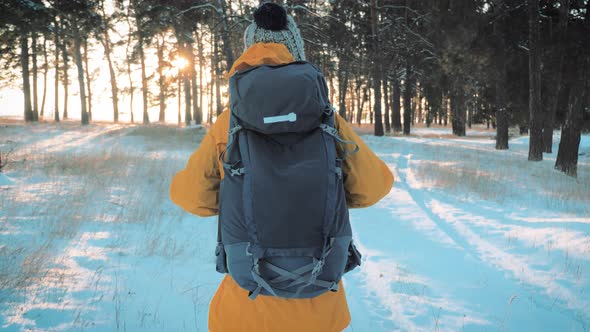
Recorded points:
220,259
354,258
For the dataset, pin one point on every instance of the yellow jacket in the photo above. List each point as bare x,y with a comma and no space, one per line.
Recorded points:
196,190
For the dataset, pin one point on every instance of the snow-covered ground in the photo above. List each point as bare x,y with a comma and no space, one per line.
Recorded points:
469,239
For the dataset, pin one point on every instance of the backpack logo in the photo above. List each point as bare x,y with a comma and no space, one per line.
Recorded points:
291,117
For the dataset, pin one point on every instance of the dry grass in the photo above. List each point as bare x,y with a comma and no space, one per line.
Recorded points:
160,137
505,179
63,192
41,227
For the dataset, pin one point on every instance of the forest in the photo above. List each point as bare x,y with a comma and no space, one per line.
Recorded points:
390,63
479,109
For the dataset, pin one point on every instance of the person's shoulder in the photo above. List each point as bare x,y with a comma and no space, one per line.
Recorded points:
339,121
220,128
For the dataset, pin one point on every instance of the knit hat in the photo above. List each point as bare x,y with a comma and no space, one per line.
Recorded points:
273,25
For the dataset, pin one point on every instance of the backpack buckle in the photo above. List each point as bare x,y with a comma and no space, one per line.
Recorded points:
234,130
329,129
236,171
329,110
339,172
317,269
334,286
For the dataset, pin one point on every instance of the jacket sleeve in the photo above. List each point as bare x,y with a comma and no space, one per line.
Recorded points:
196,188
367,178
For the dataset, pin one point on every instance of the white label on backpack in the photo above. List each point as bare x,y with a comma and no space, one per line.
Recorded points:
291,117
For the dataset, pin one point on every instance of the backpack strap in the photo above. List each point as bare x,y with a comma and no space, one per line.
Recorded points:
332,131
232,167
317,269
329,128
305,275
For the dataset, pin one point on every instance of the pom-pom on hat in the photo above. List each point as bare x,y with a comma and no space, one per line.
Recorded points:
273,25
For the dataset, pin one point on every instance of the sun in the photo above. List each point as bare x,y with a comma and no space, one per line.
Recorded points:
180,63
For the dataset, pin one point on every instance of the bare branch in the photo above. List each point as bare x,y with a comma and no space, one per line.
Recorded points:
206,5
316,14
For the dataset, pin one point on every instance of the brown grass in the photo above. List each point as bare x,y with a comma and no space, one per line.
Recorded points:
74,188
510,180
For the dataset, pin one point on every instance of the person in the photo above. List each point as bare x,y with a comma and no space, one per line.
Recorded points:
196,190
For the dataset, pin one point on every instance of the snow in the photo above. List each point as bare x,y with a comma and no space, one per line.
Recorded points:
469,238
5,180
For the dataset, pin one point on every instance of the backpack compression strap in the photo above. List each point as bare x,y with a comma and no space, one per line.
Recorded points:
305,275
329,128
332,131
232,167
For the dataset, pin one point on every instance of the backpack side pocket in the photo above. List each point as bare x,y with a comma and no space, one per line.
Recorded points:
354,258
220,259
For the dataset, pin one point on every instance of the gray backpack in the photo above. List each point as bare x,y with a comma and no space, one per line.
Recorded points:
284,228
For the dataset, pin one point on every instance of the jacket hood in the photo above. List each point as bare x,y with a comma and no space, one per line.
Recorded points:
262,53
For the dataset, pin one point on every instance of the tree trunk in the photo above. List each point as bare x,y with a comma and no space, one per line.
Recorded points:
535,109
56,82
212,83
217,76
413,113
187,98
342,86
195,93
419,105
87,72
210,88
396,120
370,100
66,79
445,115
45,72
567,155
377,104
35,70
386,100
179,91
161,79
458,113
427,120
80,66
113,75
556,76
470,113
331,89
364,100
24,57
182,46
131,89
377,68
501,112
359,102
500,84
201,66
183,49
144,82
351,103
579,99
227,50
408,93
128,56
435,105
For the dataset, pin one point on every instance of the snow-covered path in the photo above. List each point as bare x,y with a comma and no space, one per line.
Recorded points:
89,240
435,262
